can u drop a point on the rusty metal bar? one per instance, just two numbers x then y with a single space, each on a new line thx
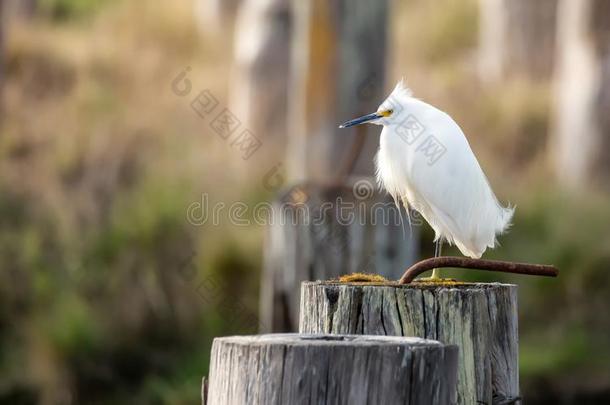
477 264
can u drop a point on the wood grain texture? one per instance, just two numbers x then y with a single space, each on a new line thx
331 369
480 318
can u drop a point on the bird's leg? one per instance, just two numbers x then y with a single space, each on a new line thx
435 272
437 252
438 248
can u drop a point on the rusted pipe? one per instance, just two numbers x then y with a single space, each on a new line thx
477 264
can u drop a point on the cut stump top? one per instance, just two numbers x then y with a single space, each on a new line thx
300 339
328 369
448 284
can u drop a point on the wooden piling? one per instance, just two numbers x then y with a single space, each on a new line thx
338 71
331 369
309 240
481 319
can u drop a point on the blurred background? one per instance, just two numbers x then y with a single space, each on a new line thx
124 122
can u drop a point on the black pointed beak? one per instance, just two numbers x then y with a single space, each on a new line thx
361 120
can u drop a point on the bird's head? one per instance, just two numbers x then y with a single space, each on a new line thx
390 111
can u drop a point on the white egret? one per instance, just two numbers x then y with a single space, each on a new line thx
425 162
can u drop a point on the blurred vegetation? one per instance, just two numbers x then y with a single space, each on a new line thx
563 322
61 10
101 274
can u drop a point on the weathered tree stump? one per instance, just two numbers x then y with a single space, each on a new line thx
331 369
481 319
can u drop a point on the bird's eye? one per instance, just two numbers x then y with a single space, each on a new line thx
390 112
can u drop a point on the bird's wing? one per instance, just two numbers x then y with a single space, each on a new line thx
453 189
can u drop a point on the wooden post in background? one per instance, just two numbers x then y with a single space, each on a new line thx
338 72
324 370
481 319
309 240
214 15
20 9
261 63
581 124
338 69
516 38
2 69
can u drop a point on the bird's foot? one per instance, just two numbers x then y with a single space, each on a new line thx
436 275
435 278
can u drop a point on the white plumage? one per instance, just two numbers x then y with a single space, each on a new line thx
425 161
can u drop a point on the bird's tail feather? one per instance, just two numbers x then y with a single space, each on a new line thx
506 216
